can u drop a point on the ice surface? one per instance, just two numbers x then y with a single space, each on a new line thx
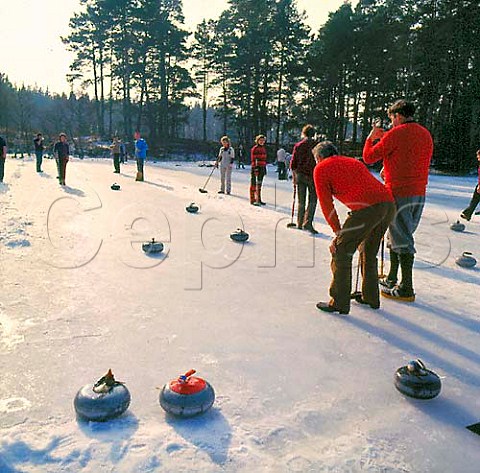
297 390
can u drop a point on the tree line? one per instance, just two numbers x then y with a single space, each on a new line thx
262 70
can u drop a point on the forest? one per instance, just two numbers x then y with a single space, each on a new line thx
259 68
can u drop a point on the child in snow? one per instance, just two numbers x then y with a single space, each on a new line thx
3 156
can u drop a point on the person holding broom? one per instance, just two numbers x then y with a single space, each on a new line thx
371 211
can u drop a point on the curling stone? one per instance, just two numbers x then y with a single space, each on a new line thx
152 247
187 396
457 226
415 380
115 187
104 400
239 235
466 260
192 208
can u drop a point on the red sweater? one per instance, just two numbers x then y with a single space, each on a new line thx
302 157
349 181
406 151
259 156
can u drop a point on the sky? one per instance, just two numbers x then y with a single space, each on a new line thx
33 54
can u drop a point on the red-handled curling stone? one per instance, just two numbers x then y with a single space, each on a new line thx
415 380
187 396
104 400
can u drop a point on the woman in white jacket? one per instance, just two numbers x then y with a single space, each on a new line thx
225 159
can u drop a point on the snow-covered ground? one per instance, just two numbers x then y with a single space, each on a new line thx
297 390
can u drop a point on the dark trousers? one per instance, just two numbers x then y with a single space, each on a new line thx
116 162
473 203
305 183
363 229
62 169
282 171
2 168
39 156
139 169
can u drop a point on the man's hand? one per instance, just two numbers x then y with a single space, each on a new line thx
294 174
382 174
376 133
333 246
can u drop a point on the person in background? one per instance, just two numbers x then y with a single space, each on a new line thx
258 156
62 153
115 149
141 149
302 165
241 157
39 148
406 151
3 157
282 161
371 211
226 156
468 212
123 152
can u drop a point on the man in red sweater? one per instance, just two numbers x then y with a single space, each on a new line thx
302 165
406 150
372 210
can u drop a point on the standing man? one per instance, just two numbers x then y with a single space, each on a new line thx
115 149
62 153
302 166
241 156
3 156
39 148
372 210
468 212
406 150
226 155
282 160
141 149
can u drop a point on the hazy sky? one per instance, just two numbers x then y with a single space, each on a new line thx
32 53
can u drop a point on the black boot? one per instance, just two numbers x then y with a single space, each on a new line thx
467 213
391 280
404 291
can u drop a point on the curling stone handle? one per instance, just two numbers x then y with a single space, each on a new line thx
421 363
184 377
467 253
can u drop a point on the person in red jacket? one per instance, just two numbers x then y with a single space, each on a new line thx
259 170
468 212
371 211
406 150
302 166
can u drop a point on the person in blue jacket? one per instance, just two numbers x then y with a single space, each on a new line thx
141 149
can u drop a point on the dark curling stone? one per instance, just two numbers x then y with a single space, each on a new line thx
466 260
239 235
152 247
104 400
457 226
192 208
187 396
115 187
415 380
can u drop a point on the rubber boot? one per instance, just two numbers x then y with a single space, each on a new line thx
391 280
253 190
